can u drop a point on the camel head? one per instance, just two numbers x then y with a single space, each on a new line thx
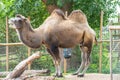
58 13
78 15
17 22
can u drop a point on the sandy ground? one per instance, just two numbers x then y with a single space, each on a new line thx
93 76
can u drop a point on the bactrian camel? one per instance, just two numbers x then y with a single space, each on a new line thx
58 31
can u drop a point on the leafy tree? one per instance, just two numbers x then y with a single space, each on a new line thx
91 8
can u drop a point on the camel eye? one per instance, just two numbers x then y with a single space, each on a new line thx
20 20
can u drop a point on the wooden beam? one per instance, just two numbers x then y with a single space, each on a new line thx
65 65
114 27
11 44
111 41
29 52
99 41
100 54
65 61
7 48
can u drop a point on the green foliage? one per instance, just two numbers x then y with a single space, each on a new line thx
52 2
59 3
34 9
92 9
105 58
45 62
94 60
75 59
12 65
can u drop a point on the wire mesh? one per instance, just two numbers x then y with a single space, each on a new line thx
116 52
16 54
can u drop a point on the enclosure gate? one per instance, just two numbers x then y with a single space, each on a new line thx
114 47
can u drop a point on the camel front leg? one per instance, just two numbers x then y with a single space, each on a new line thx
54 60
58 69
57 60
58 64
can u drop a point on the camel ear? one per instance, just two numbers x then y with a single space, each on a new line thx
18 15
25 19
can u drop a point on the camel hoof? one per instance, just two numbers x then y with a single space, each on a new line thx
59 76
56 75
75 73
80 75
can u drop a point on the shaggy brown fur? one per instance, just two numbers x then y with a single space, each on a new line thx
57 32
80 17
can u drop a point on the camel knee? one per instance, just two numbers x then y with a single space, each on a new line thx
54 49
87 63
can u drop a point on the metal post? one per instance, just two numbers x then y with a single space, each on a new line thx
111 76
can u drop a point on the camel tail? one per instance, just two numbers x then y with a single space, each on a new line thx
95 41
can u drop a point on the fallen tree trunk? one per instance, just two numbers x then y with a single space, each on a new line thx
20 68
29 72
37 72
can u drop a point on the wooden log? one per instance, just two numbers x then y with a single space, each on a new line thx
42 78
20 68
29 72
36 72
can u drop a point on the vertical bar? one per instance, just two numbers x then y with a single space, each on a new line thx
65 61
118 17
65 66
100 54
7 48
111 76
29 51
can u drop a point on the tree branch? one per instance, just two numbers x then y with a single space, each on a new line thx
20 68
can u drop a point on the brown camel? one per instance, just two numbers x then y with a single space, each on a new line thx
89 39
57 31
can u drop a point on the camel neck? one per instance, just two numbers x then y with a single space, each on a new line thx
30 37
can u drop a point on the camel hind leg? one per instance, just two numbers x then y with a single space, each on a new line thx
82 62
87 51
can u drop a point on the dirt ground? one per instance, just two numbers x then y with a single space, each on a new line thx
93 76
90 76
